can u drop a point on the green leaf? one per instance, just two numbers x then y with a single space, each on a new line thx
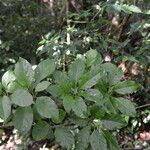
91 56
22 98
68 102
46 107
23 119
111 74
13 86
126 87
62 115
7 78
93 95
64 136
81 122
131 8
79 107
112 122
54 90
125 106
44 69
112 142
24 72
127 8
76 104
98 141
91 82
5 107
83 138
0 88
42 86
76 70
97 111
40 130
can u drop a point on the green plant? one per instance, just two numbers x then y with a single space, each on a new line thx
77 107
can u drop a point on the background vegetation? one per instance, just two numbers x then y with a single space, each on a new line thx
65 29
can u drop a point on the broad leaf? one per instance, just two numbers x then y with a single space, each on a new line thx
83 138
23 119
111 74
68 102
13 86
76 70
46 107
24 72
126 87
7 78
44 69
79 107
98 141
93 95
64 137
125 106
81 122
91 56
112 142
40 130
22 98
54 90
61 117
42 86
131 8
91 82
5 107
112 122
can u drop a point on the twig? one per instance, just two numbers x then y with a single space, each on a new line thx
142 106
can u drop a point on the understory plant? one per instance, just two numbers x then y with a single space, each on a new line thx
78 107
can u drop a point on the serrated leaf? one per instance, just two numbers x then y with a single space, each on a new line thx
126 87
91 82
112 142
64 137
5 107
22 98
76 70
83 138
46 107
24 72
7 78
125 106
40 130
42 86
98 141
44 69
23 119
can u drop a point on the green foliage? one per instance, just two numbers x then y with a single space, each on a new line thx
74 97
22 98
78 112
40 130
5 107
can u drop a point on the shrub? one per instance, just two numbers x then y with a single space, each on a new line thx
77 107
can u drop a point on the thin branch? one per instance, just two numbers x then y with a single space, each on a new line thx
142 106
